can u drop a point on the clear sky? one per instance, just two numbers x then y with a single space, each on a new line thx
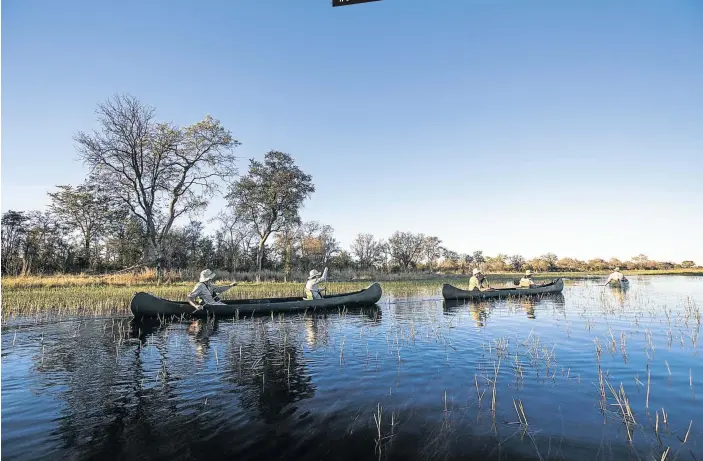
574 127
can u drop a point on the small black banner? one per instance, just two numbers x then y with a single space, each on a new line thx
350 2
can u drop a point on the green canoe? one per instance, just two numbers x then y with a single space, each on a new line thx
452 292
148 305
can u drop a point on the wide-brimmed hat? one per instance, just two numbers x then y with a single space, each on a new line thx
528 272
314 273
476 270
617 269
206 275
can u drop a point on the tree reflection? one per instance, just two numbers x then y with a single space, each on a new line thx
266 367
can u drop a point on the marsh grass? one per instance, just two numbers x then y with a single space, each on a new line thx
110 295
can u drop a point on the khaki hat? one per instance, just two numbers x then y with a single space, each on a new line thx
206 275
314 273
476 270
528 272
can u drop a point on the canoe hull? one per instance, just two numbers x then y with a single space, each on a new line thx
147 305
452 292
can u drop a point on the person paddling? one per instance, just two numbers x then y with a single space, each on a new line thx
311 289
526 281
478 281
205 292
616 276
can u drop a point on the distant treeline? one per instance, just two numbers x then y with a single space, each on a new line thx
145 176
44 243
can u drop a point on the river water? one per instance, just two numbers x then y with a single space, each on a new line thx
593 374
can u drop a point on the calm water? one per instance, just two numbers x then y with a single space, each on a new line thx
413 379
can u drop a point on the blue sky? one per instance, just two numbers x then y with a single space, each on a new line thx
507 126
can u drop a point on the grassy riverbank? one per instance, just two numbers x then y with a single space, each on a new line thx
111 294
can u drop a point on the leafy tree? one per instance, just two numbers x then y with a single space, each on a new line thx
517 261
270 196
688 264
596 264
431 250
615 262
367 250
406 248
478 257
342 260
550 260
14 232
158 170
317 244
538 265
87 208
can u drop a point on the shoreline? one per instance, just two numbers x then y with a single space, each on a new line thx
20 283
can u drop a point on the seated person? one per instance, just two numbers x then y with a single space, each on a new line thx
526 281
205 292
617 277
478 281
311 289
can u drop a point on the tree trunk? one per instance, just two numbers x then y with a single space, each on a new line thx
260 255
259 258
86 250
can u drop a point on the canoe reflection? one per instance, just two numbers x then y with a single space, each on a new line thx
480 311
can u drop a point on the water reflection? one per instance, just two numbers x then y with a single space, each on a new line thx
480 310
313 386
620 294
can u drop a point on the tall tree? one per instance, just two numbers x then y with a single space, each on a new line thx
270 196
235 232
87 208
406 248
317 244
517 261
159 170
551 260
367 250
478 257
14 231
431 250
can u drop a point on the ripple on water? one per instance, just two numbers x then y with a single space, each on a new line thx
313 387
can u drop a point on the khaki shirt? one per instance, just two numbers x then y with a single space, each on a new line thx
474 284
205 293
312 291
526 282
617 276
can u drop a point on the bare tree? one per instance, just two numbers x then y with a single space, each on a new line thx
235 230
270 196
159 170
367 250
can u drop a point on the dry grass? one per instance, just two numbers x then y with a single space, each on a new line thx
148 277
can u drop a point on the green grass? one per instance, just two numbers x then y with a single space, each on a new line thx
112 294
